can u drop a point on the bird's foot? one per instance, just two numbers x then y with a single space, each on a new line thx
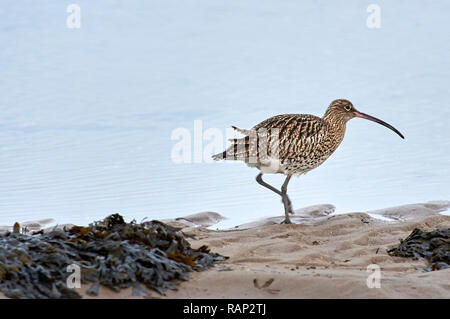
286 221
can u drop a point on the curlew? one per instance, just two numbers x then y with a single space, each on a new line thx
293 144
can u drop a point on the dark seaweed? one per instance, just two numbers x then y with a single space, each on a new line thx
434 246
110 252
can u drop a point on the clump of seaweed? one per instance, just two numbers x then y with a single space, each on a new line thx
110 252
434 246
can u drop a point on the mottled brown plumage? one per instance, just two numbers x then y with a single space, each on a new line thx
293 144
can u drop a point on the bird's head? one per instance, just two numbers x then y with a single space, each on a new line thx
341 111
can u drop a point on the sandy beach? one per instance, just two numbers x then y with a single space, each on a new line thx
321 256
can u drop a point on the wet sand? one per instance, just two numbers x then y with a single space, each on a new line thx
324 256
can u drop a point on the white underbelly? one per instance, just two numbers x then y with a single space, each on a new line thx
270 166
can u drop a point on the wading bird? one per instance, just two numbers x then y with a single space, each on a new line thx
293 144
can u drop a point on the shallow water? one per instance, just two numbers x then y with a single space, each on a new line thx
87 114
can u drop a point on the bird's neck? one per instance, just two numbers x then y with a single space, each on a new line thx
335 128
334 119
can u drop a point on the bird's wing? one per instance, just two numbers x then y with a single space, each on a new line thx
280 136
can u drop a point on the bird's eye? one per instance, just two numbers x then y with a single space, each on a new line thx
348 107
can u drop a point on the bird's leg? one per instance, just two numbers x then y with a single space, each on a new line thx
263 183
286 201
284 198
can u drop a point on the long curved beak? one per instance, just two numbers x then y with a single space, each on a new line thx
374 119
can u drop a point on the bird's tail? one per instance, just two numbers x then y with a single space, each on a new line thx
239 149
245 132
251 149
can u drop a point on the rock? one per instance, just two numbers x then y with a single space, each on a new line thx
406 212
205 219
